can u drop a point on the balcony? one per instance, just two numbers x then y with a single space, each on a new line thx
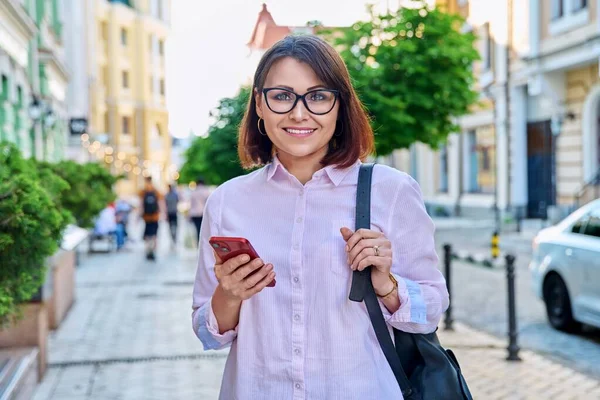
124 2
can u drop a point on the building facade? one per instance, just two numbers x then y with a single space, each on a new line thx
127 100
533 148
34 78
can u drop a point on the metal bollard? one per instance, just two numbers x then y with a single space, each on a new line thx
513 347
495 245
447 266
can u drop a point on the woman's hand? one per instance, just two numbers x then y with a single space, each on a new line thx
367 247
235 279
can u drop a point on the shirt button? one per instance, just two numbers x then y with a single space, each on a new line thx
301 193
297 351
298 386
296 279
299 219
296 247
297 317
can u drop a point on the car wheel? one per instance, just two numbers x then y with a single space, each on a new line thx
558 304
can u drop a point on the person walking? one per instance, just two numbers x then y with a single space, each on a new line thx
151 208
303 338
172 203
198 199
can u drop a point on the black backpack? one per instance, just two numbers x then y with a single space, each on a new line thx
150 203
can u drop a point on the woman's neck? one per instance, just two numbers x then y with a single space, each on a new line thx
302 168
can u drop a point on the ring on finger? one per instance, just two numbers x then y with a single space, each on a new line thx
376 248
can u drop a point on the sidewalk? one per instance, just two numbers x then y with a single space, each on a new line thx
129 337
490 377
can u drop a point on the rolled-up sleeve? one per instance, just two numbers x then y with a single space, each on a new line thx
204 321
421 286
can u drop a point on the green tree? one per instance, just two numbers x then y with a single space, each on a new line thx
413 71
31 226
214 157
91 189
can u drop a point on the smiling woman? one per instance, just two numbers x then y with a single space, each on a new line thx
303 337
302 83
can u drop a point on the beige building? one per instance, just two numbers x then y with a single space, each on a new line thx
533 148
128 111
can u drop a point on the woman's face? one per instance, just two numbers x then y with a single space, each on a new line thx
297 134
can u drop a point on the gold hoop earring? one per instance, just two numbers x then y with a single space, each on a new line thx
258 125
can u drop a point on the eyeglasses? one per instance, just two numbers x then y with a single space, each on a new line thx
318 102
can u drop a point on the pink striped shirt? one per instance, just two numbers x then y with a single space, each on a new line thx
303 339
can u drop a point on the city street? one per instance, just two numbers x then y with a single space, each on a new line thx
480 299
129 337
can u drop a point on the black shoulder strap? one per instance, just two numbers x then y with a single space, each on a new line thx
363 220
362 287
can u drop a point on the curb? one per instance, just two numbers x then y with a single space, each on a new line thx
480 259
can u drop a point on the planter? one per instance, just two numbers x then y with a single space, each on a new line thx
62 271
18 373
30 331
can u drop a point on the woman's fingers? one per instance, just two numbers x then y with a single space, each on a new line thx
363 245
242 272
359 235
368 256
253 279
261 284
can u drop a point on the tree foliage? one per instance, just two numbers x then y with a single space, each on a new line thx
91 189
413 71
31 226
215 157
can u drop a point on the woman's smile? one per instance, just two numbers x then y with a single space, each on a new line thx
299 131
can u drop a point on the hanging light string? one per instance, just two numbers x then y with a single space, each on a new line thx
123 162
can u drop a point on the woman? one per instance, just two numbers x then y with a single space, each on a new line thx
303 338
198 199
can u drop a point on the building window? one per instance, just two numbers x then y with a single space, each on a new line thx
162 87
123 37
558 10
480 160
414 170
566 15
19 96
4 95
161 47
106 123
579 5
125 79
104 31
463 2
486 54
444 169
105 76
126 126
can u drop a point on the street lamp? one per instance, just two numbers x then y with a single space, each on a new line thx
36 109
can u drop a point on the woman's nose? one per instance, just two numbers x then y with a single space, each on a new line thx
299 112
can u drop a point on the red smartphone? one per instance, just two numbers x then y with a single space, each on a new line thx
229 247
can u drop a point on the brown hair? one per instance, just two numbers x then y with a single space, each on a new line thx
356 137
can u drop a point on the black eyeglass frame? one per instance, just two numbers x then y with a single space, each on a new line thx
336 94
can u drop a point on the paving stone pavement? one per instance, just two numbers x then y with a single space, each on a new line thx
129 337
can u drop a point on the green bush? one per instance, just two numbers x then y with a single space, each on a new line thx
91 189
31 226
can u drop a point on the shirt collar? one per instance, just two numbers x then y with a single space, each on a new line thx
335 174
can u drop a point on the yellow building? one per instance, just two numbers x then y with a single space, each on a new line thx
128 111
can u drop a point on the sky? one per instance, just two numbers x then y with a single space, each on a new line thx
206 53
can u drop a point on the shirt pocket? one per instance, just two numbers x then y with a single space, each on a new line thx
339 258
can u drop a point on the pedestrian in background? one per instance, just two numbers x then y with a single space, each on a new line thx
151 208
172 203
304 338
198 199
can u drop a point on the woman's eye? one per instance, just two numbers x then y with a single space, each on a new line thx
283 96
317 97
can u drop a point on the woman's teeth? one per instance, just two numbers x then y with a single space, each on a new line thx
299 131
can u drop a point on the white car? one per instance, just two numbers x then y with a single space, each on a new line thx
566 269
